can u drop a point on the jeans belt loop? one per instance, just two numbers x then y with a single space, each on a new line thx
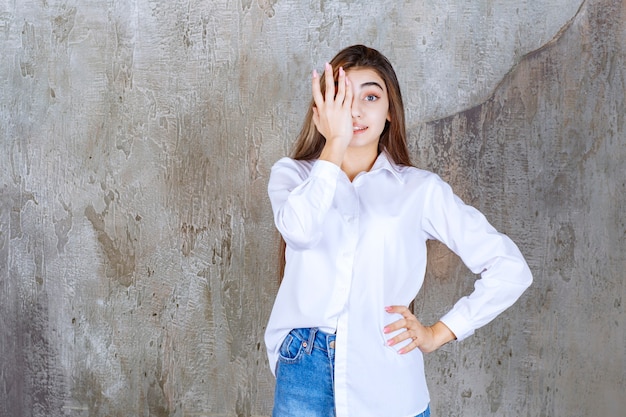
309 347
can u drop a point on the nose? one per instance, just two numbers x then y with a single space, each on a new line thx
356 109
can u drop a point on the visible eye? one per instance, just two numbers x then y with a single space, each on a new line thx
371 97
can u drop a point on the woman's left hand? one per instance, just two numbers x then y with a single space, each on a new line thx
425 338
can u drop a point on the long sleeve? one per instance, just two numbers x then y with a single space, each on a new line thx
504 272
301 199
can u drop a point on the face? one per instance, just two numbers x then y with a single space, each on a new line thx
370 107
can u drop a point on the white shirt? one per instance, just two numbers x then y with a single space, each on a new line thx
354 248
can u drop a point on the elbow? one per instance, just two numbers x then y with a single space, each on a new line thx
523 275
298 237
513 270
299 241
529 277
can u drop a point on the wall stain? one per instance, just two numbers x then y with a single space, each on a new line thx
35 383
268 7
63 23
157 403
62 226
189 235
561 254
243 405
120 252
222 250
120 77
494 395
17 199
29 50
87 389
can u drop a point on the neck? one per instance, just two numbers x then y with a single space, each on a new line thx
358 160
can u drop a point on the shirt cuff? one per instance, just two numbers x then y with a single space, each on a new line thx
325 170
458 324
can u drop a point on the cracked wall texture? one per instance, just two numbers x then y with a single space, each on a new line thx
137 251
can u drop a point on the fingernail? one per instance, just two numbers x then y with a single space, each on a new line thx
387 308
327 66
385 330
389 342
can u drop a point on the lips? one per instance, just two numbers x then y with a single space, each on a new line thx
357 129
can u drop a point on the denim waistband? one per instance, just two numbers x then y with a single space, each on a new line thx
314 338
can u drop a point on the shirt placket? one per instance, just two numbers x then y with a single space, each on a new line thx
345 267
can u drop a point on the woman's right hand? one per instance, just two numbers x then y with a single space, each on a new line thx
332 113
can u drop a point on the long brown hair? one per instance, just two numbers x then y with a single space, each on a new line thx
310 141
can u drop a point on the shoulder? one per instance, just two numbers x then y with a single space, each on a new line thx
286 164
428 188
306 168
416 176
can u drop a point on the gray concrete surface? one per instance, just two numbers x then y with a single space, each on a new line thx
137 251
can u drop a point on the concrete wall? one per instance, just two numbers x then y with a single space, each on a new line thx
137 251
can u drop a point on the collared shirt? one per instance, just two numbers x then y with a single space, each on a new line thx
354 248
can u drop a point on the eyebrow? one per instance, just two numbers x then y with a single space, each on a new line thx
374 83
367 84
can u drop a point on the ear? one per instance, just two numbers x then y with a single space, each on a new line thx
388 117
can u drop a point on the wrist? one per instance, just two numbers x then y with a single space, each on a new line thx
333 152
441 334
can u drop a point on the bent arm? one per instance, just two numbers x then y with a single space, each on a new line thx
301 200
504 273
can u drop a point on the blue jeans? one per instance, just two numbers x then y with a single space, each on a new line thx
305 375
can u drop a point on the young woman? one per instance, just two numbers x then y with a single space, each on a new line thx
355 216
